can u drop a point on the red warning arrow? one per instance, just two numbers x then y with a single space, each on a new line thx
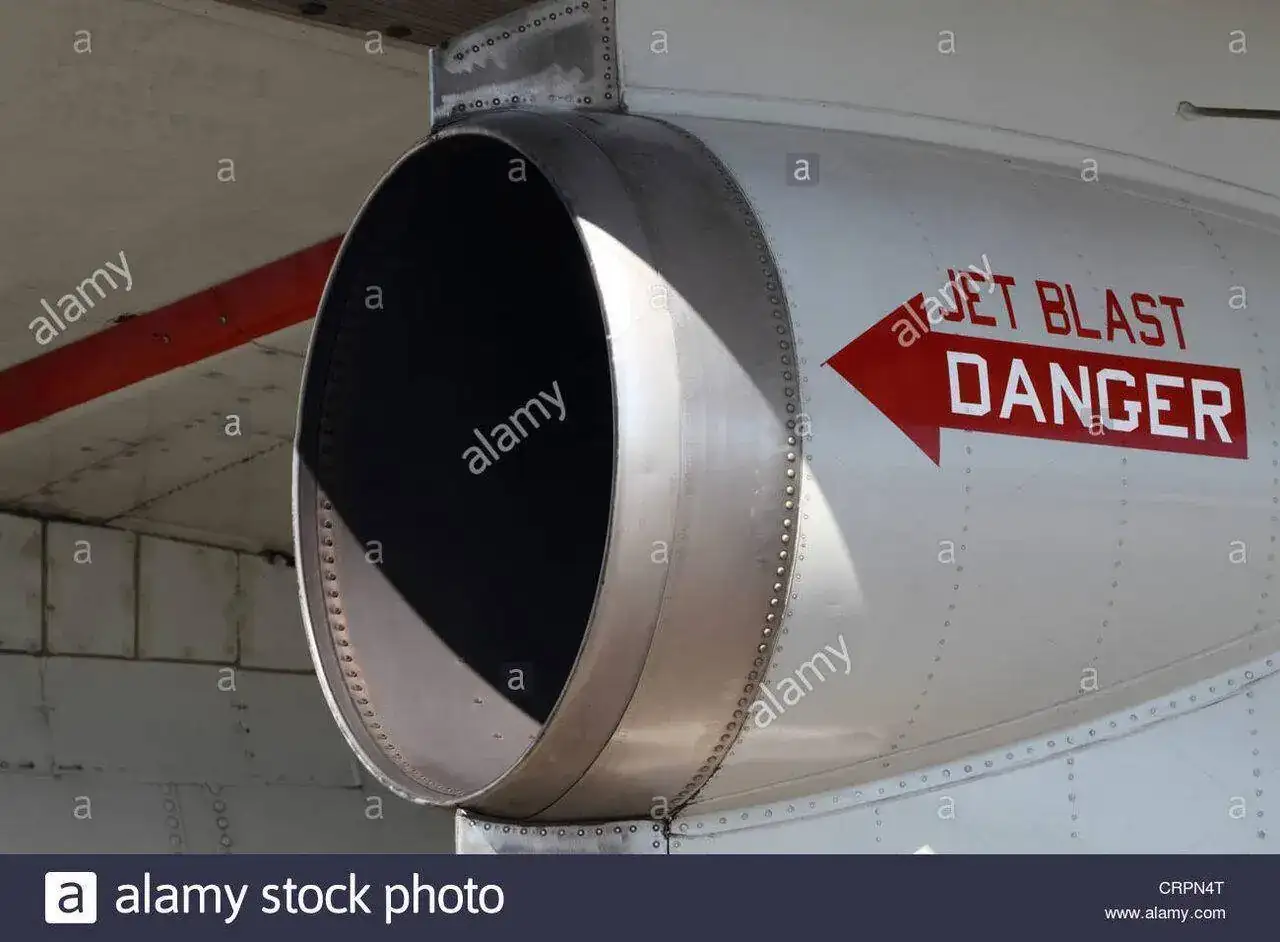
1003 387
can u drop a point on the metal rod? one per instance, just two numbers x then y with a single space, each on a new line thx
1187 110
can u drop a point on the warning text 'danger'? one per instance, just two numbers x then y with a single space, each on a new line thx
1006 387
1138 400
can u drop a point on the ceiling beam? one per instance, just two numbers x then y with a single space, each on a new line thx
218 319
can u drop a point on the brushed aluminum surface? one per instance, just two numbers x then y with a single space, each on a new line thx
704 488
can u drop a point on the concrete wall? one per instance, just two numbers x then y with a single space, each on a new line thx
158 696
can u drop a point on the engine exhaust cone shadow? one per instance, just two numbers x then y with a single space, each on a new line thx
458 421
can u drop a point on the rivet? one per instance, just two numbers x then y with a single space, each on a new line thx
791 472
786 538
773 602
791 440
770 617
782 555
791 456
786 523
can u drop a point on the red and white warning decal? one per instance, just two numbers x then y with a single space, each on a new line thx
925 381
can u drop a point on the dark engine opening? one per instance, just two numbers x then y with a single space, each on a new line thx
468 412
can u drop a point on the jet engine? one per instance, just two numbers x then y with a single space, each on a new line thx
652 462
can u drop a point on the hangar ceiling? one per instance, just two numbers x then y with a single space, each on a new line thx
116 152
125 118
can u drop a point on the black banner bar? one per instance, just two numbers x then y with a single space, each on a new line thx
643 898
